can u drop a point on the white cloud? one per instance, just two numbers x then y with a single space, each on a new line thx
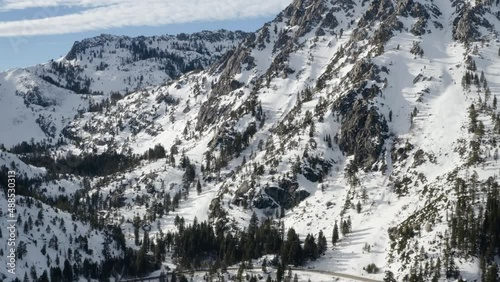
102 14
9 5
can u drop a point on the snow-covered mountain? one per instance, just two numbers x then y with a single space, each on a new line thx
374 123
38 101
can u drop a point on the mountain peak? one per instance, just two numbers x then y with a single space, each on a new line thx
106 39
374 122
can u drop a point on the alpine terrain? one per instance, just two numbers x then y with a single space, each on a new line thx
350 139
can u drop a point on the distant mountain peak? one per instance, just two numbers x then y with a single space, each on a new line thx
103 39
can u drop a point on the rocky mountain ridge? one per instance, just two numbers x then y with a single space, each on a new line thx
377 119
45 97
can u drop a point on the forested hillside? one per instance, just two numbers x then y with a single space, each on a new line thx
347 137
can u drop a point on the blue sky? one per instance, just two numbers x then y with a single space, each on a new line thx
35 31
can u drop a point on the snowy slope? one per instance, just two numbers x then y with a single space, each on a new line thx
38 101
49 236
335 110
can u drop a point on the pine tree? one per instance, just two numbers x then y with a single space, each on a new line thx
44 249
335 236
253 225
26 279
67 271
136 225
452 271
141 260
437 270
310 248
55 274
21 250
292 252
44 277
492 274
389 277
280 272
322 245
33 274
345 228
198 187
473 118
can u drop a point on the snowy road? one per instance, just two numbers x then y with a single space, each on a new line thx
341 275
300 270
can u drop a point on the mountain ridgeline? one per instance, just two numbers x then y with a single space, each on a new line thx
96 72
351 136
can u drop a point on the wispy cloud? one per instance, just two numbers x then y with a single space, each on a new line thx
103 14
9 5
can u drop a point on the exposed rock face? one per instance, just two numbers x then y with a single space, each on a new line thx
307 15
316 170
209 112
363 133
34 96
287 195
466 23
419 27
231 63
330 21
264 201
363 69
413 9
378 10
